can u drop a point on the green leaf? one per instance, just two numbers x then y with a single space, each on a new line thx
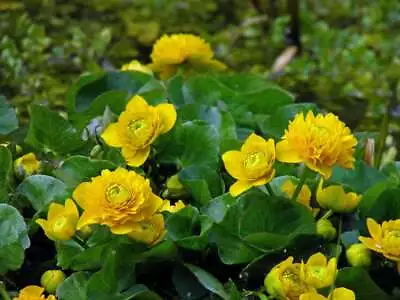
77 169
380 202
13 238
41 190
358 280
140 292
187 285
258 223
8 117
74 287
5 173
274 125
359 179
208 281
131 82
49 132
188 229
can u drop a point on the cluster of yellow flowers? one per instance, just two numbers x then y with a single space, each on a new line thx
178 51
33 292
120 199
300 281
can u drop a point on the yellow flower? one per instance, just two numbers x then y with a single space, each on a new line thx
252 165
166 206
385 238
118 199
288 187
318 271
337 294
335 198
33 292
150 231
175 189
318 141
284 281
186 50
27 164
135 65
51 279
358 255
137 128
61 221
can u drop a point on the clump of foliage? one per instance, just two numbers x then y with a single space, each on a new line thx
199 186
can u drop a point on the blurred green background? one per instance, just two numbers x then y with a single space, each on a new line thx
349 61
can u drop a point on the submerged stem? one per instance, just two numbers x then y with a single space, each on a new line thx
3 292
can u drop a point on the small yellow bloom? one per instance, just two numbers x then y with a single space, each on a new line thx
150 231
51 279
175 189
33 292
358 255
335 198
182 50
385 238
252 165
318 141
284 281
318 271
61 221
118 199
27 164
135 65
137 128
288 187
166 206
337 294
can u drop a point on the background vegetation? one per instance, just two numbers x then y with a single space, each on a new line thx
349 59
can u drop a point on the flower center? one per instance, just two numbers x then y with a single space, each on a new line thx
292 283
253 159
137 125
60 223
392 241
117 194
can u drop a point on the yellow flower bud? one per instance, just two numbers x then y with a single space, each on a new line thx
326 230
85 231
135 65
61 221
51 279
175 188
166 206
358 255
335 198
26 165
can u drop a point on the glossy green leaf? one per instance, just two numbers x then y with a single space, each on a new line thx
77 169
74 287
13 238
41 190
358 280
5 172
8 117
49 132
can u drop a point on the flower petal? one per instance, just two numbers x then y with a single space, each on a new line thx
317 259
342 294
137 103
167 113
311 296
71 209
233 163
121 228
251 140
55 209
374 229
265 179
135 158
285 153
370 243
239 187
80 192
110 135
86 219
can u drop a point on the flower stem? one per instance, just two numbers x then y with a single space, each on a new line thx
337 249
269 189
300 184
3 292
327 214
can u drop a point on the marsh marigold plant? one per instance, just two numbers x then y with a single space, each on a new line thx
33 292
188 51
61 221
385 239
138 127
119 199
318 141
252 165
